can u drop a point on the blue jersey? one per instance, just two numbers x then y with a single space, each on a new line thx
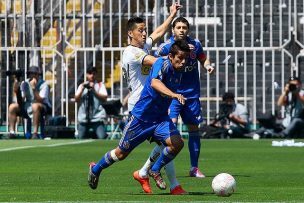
153 106
190 84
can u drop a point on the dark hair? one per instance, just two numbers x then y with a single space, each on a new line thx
133 21
179 45
180 19
228 95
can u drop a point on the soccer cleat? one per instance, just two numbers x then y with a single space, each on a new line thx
144 182
178 190
160 183
92 178
195 172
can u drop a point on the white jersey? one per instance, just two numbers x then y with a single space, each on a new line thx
134 71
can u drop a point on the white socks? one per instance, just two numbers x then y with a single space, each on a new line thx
169 168
143 172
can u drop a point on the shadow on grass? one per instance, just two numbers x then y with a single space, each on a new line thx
167 193
212 176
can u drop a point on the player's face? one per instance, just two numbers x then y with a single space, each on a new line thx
179 60
180 31
138 35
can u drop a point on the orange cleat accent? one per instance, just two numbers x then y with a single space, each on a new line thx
178 190
144 182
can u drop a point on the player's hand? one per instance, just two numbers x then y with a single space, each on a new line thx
180 98
174 8
210 69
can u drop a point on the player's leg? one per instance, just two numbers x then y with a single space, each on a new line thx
175 187
143 172
169 135
107 160
142 175
134 134
191 115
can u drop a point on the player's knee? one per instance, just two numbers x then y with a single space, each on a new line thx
121 155
177 145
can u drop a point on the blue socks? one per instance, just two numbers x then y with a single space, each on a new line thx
194 145
164 158
107 160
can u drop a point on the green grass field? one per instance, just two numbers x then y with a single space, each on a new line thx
56 170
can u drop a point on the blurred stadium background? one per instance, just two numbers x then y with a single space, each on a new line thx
263 38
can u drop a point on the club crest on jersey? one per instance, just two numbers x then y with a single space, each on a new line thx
126 144
192 55
145 70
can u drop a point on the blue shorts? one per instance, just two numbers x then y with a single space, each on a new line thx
137 131
190 111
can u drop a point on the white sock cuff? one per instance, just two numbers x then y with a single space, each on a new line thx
113 155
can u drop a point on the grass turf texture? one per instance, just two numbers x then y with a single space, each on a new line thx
59 173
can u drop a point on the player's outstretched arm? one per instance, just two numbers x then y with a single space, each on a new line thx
162 89
160 31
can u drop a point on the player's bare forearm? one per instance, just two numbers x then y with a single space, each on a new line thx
161 30
162 89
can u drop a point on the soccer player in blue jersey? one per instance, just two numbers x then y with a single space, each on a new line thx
190 88
149 117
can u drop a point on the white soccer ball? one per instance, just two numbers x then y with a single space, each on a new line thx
223 184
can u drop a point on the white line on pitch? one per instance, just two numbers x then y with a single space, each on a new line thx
50 145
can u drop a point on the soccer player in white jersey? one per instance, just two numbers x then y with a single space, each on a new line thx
136 63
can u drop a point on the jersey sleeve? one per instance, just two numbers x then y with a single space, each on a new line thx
149 43
136 56
199 50
159 69
161 51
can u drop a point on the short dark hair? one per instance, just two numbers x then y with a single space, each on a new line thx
228 95
180 19
133 21
179 45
